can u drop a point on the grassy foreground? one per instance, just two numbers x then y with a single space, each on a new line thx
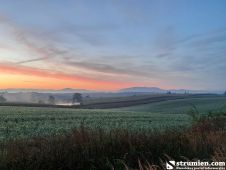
84 148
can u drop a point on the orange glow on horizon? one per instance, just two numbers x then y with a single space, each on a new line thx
20 81
16 76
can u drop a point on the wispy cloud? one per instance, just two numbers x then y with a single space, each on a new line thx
32 60
12 68
95 35
25 37
24 70
108 68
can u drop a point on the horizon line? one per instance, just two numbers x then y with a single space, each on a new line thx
102 90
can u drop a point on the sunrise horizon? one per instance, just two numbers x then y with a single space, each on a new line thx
106 89
113 45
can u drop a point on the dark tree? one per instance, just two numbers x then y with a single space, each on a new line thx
77 97
2 99
51 99
225 93
169 92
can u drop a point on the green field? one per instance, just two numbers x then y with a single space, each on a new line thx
20 122
23 122
182 106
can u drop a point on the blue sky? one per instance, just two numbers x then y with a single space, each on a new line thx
169 44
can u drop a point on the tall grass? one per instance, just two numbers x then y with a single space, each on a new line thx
85 148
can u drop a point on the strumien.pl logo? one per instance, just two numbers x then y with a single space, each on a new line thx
195 165
170 165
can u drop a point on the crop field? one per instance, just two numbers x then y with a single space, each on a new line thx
203 105
25 122
20 122
42 137
112 102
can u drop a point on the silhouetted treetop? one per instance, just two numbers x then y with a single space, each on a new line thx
51 99
2 99
77 97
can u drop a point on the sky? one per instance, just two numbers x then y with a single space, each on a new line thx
113 44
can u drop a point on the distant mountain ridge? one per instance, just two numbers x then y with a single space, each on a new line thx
143 90
124 90
159 90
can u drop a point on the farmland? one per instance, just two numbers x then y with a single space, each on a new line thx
25 122
204 105
39 138
20 122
